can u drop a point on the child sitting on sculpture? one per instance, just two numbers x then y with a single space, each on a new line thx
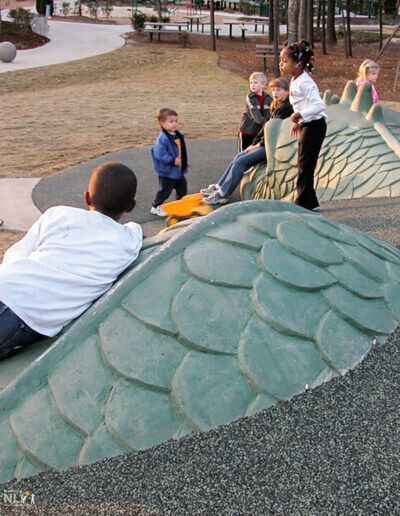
170 160
280 108
368 72
68 258
256 110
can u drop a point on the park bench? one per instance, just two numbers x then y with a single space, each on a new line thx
242 27
158 28
205 24
263 51
180 33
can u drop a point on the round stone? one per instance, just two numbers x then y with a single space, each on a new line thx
8 52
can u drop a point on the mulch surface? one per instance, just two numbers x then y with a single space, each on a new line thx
22 41
332 71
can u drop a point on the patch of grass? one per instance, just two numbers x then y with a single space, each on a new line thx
61 115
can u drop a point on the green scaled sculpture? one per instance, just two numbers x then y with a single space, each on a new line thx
360 156
219 318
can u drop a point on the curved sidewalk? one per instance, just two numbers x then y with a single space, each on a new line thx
69 42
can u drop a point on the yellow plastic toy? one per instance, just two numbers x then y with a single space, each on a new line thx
186 208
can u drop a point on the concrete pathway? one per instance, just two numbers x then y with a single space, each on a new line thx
16 207
69 42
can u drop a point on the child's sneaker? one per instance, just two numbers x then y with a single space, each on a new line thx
215 198
157 210
209 190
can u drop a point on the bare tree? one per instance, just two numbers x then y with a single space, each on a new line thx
323 28
302 19
348 22
276 38
212 26
271 23
310 22
292 21
330 22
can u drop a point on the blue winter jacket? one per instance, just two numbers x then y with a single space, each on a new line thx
164 152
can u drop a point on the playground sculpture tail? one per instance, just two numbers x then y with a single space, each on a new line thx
360 156
221 317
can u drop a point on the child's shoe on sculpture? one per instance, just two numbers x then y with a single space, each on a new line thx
209 190
216 198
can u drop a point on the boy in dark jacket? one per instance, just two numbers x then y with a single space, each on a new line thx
170 160
255 153
256 112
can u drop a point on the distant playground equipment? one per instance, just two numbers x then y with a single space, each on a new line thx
8 52
188 207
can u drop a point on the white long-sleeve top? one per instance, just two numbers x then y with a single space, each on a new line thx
305 98
68 258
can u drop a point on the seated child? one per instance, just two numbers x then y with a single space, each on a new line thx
170 160
68 258
256 111
368 72
280 108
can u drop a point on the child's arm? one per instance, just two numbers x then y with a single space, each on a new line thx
317 106
255 113
25 246
161 152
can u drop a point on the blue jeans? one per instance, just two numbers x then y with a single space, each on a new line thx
234 173
14 333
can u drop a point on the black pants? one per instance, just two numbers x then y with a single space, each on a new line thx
311 137
165 187
244 141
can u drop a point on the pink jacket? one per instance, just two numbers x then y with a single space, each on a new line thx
375 98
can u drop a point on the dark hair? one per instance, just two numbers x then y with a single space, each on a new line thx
164 113
112 188
302 52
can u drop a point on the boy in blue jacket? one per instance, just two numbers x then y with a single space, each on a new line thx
170 160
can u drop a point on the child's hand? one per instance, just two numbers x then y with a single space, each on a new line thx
251 148
294 131
178 161
295 118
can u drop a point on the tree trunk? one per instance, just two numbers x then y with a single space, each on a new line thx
346 47
276 38
310 23
380 25
302 18
330 23
323 29
159 11
348 7
212 27
292 21
271 22
319 14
